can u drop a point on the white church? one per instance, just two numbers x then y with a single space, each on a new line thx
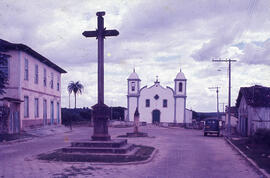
157 104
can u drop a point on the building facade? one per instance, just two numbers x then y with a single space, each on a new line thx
253 105
157 103
33 93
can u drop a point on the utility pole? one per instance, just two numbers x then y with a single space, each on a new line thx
223 104
217 99
229 92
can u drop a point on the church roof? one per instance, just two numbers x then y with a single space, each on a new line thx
133 75
180 75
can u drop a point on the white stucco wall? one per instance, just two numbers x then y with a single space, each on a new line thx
180 110
188 116
18 87
166 113
132 107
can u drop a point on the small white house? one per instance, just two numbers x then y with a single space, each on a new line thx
253 105
157 103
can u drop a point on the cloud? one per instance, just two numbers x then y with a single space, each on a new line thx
256 53
157 37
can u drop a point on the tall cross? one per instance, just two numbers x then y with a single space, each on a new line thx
100 34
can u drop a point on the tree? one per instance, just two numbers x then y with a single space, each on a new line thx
75 87
3 72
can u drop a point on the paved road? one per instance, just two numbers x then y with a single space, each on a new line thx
182 153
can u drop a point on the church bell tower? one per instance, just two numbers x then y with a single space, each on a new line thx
133 83
180 83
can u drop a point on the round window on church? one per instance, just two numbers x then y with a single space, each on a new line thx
156 97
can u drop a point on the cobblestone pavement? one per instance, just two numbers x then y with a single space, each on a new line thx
182 153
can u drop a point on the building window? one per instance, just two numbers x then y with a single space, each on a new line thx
36 107
147 103
58 83
36 74
180 87
58 113
45 78
165 103
132 86
45 111
4 64
25 69
26 106
52 112
51 80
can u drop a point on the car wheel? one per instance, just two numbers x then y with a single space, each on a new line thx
205 134
217 134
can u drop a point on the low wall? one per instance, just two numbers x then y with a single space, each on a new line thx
36 123
113 123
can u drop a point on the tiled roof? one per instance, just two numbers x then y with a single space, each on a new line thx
255 96
6 46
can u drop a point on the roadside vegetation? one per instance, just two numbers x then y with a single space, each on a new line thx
257 147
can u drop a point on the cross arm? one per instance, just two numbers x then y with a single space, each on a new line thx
111 33
90 33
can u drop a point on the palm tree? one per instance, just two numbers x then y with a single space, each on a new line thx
75 87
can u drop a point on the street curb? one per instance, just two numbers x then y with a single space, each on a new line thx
16 141
262 171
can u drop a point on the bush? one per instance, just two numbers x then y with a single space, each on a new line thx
261 136
75 115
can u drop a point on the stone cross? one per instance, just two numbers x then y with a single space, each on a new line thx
100 110
100 34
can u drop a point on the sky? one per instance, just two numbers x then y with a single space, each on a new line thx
157 38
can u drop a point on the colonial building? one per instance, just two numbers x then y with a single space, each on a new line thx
253 105
157 103
33 93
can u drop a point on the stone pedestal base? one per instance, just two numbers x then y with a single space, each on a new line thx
137 134
101 113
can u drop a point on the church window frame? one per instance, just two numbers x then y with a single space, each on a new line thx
180 87
132 86
165 103
147 103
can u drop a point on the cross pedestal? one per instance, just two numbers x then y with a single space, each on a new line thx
101 113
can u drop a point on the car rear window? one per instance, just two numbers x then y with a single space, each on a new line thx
211 122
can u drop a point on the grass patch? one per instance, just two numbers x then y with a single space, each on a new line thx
9 137
143 153
258 152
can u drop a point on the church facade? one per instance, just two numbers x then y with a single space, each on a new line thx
157 103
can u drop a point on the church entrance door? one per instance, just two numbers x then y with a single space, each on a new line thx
155 116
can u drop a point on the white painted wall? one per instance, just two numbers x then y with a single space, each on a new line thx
180 110
18 87
188 116
166 114
132 107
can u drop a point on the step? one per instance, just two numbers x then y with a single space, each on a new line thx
116 143
122 150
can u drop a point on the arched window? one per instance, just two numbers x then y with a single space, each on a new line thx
165 103
147 103
180 87
132 86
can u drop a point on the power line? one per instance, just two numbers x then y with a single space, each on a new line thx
229 93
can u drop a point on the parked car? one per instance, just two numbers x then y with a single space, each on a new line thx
211 126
